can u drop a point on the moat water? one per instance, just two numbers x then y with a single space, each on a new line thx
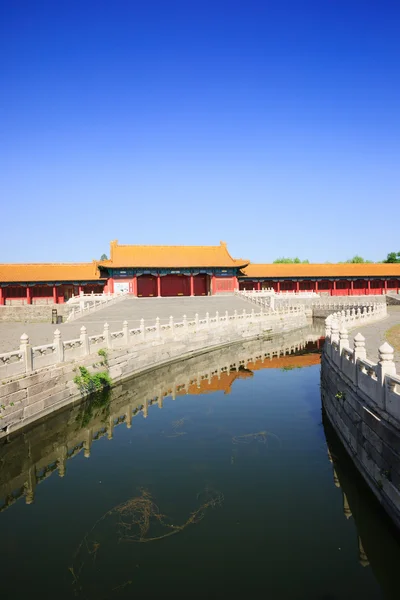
238 486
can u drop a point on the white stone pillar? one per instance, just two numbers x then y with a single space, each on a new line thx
58 346
142 330
335 332
84 341
386 366
107 336
328 328
343 339
26 350
359 347
158 333
185 325
125 333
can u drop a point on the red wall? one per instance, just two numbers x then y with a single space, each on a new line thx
223 284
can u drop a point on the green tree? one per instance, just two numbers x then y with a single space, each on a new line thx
290 261
104 257
393 257
358 259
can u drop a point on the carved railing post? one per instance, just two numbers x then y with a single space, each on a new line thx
386 366
196 320
217 317
107 336
343 339
328 328
26 350
207 321
125 333
335 332
158 328
58 346
359 347
171 324
84 341
185 325
142 330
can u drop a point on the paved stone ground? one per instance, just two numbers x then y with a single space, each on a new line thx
375 334
131 310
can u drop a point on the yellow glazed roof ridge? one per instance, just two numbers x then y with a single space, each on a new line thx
169 256
24 272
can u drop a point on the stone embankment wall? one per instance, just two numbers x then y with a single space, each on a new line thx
46 446
29 394
362 401
33 313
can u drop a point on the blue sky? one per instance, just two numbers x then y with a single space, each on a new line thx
272 125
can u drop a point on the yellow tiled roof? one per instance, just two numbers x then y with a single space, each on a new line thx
49 272
171 256
323 270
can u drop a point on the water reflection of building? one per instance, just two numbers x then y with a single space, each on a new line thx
33 455
377 541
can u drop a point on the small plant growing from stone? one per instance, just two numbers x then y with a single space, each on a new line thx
340 396
103 353
88 383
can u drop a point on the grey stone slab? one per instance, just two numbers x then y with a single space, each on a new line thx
131 310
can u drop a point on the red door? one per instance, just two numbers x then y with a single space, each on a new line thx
200 286
175 285
146 286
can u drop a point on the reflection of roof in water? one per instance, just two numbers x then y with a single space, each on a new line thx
289 361
223 384
225 380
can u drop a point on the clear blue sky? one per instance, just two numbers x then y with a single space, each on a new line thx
272 125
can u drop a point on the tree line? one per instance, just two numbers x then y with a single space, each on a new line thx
392 257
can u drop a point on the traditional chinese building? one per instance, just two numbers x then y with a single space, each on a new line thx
347 279
150 271
48 283
143 271
146 271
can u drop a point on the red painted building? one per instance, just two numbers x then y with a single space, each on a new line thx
48 283
149 271
345 279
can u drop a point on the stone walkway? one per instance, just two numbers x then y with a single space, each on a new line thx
131 310
375 335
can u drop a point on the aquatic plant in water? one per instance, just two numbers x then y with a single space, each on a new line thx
137 520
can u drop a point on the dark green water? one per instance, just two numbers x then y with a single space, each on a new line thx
216 495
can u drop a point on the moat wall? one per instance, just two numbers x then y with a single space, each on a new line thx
370 435
26 398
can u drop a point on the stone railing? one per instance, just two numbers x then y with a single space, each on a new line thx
378 382
314 305
272 292
88 303
32 358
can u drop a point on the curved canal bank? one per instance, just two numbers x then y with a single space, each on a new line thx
37 381
362 401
